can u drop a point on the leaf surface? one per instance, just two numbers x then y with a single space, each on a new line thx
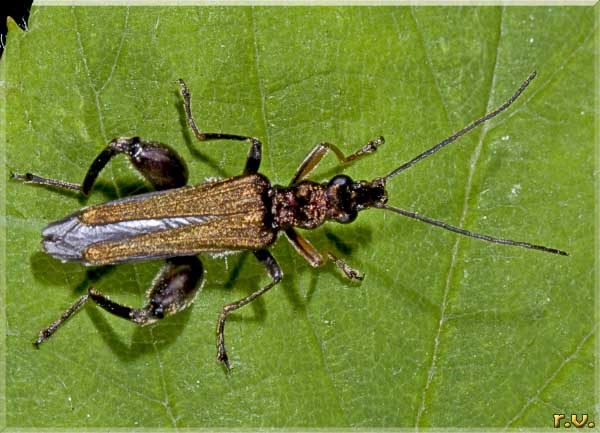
443 332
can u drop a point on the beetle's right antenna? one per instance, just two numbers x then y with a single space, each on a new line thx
446 142
474 235
463 131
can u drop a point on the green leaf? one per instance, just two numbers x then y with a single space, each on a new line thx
444 331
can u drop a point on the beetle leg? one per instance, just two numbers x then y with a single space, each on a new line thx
276 274
313 159
158 163
315 258
350 273
254 156
38 180
174 289
50 330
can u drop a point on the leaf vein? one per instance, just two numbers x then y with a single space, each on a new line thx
473 165
536 397
119 49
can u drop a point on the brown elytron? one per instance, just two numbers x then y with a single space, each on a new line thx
216 222
245 212
206 199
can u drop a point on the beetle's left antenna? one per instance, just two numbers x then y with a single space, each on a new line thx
463 131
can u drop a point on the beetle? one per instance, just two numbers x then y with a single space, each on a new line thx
177 222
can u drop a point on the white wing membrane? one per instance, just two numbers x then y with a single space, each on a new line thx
68 238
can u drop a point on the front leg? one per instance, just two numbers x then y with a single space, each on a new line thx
313 159
315 258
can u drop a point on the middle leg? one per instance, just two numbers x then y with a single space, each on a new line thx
275 273
255 154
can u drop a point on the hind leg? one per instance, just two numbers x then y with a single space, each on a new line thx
175 289
158 163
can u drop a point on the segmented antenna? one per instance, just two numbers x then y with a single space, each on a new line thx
463 131
479 236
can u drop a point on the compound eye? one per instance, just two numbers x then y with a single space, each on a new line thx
340 180
347 217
